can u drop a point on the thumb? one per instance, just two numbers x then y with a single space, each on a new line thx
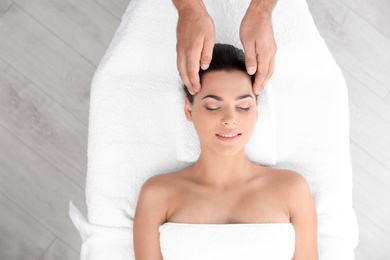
250 58
207 53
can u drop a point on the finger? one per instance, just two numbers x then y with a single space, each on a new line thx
207 53
262 71
193 65
270 73
181 65
250 56
256 85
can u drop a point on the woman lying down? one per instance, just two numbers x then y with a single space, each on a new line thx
224 206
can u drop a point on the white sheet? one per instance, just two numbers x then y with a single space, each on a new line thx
135 100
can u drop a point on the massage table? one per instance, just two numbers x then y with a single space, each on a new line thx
137 127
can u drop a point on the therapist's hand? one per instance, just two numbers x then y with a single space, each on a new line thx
195 43
257 38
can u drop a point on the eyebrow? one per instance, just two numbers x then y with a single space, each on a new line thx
221 99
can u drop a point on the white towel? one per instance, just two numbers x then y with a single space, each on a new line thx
136 115
180 241
102 242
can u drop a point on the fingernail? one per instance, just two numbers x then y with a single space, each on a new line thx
251 70
205 66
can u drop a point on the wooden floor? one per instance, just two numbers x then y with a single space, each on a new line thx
49 50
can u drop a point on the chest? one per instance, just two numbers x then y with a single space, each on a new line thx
240 206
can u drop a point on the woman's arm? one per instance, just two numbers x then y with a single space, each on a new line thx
303 216
149 215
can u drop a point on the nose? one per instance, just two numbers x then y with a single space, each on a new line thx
229 119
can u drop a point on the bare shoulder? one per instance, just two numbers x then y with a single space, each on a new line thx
163 187
154 197
169 178
160 185
295 190
156 182
302 211
151 212
289 183
285 176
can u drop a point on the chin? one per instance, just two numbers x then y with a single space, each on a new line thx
229 151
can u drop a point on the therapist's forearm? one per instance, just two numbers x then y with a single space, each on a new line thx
184 6
263 6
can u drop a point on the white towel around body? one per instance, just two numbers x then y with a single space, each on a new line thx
274 241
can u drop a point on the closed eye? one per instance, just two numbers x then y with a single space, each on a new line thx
211 109
245 108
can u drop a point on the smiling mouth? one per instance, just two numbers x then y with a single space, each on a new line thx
228 137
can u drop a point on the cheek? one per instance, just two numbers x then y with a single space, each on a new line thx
249 120
203 118
203 122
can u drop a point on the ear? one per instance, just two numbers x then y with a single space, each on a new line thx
188 109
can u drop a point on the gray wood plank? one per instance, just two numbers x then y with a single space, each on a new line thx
371 237
376 12
388 101
40 189
364 51
22 237
46 61
42 124
84 25
371 192
117 7
369 119
349 63
60 251
4 5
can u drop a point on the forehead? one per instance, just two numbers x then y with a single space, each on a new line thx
226 82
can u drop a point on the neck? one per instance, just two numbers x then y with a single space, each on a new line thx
221 171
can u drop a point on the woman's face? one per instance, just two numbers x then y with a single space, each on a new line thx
224 112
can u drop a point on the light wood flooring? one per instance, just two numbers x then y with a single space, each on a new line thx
49 50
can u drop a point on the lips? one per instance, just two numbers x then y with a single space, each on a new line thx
228 137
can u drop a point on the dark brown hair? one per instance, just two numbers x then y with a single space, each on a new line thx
226 57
